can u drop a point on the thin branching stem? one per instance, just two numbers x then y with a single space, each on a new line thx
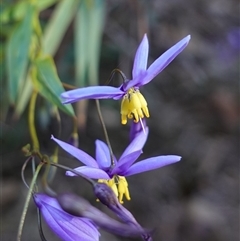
68 86
30 191
105 131
40 229
113 73
45 184
23 170
74 171
31 117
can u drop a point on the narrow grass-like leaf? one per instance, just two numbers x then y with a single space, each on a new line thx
58 24
48 84
96 22
88 33
81 45
23 99
43 4
17 53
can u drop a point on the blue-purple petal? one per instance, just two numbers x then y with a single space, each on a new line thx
66 226
151 164
136 128
141 57
136 144
164 60
77 153
90 172
102 155
91 92
126 162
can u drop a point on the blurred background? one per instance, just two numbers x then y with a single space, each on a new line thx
193 104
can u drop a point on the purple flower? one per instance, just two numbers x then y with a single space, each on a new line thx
80 207
66 226
107 197
134 105
136 128
103 168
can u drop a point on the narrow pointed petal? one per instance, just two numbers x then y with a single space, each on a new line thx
125 163
66 226
91 92
151 164
77 153
90 172
81 207
141 57
102 155
137 128
136 145
164 60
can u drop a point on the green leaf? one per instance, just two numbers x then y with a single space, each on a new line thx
88 35
96 23
24 97
81 45
17 53
58 24
44 4
48 84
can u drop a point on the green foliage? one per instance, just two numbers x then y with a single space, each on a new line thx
48 84
88 33
58 24
17 53
30 49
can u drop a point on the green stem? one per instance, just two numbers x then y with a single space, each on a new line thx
74 171
31 123
105 131
30 191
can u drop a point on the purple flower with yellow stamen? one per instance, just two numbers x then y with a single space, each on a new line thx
64 225
113 172
134 105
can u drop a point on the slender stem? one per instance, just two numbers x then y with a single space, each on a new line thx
113 73
31 118
40 229
56 114
68 86
74 171
20 227
105 131
75 125
23 169
45 176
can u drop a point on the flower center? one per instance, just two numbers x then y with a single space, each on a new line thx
133 106
119 186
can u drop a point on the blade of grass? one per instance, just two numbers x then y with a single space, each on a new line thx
58 24
96 23
17 53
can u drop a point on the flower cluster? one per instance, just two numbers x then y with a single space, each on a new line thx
134 105
114 173
72 217
65 225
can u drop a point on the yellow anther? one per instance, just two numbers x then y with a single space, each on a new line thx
119 186
112 184
143 103
123 189
133 106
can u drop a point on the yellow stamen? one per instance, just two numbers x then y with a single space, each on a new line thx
133 106
119 186
123 189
